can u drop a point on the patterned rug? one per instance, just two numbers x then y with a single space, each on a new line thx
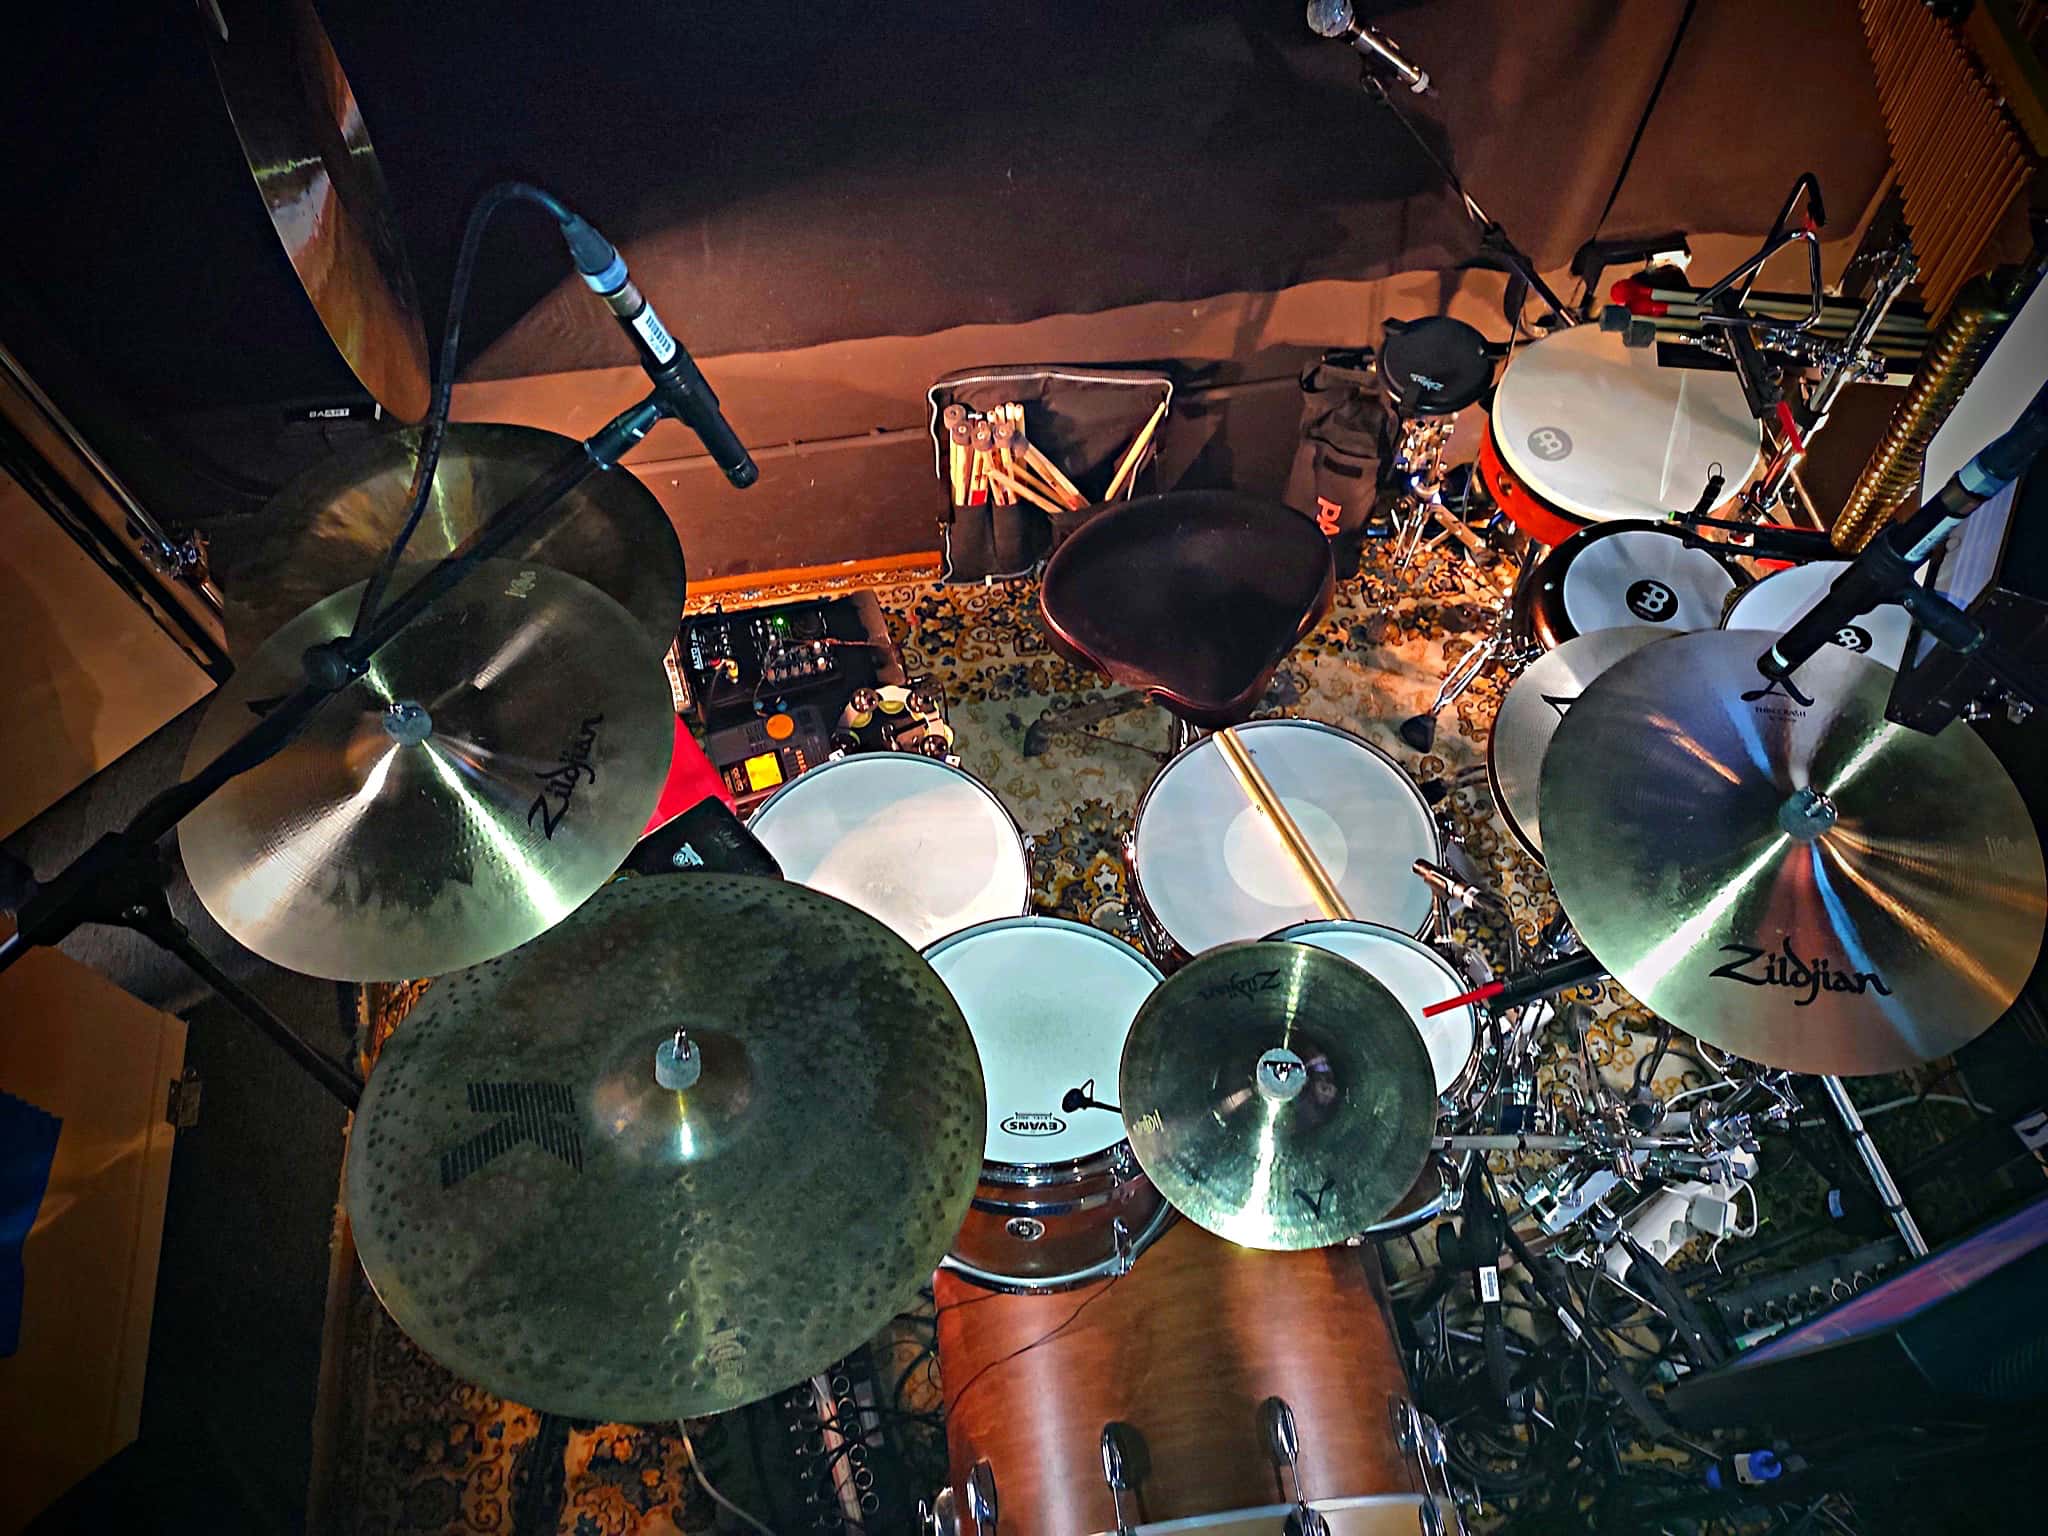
411 1450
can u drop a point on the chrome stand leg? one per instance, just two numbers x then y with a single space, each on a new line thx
1888 1193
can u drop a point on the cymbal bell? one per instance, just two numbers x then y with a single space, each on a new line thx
545 1218
304 138
330 525
492 767
1786 874
1277 1095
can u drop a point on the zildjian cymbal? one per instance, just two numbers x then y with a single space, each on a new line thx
329 527
1528 716
492 767
304 138
545 1217
1277 1095
1780 870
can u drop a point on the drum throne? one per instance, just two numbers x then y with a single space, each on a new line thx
1192 598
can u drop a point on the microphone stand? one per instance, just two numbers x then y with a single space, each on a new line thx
1493 239
119 880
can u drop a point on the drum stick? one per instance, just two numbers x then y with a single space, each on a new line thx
1019 488
1128 466
1050 473
1260 793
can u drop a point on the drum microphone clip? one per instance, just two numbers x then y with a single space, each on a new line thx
1083 1097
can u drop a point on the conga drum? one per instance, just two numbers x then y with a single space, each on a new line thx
1178 1355
1586 429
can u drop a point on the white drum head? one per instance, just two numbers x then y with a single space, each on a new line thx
912 842
1211 871
1414 973
1599 429
1783 598
1640 577
1049 1003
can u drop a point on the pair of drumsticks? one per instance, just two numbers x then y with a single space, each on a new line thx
990 459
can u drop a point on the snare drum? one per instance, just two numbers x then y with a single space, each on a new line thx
1780 600
1586 429
1061 1201
1179 1355
1622 575
911 841
1208 870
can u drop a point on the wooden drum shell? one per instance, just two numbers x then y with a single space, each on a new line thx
1183 1349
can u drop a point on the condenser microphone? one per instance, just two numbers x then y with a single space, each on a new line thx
685 393
1333 18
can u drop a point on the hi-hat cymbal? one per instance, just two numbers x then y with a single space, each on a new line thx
330 526
308 149
1277 1095
1528 716
545 1218
490 770
1806 885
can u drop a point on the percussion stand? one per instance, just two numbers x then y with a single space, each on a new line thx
119 880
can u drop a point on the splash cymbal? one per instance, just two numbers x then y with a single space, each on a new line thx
490 770
545 1218
1277 1095
303 136
1802 883
328 528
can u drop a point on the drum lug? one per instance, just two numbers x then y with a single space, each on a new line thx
939 1516
981 1498
1120 1235
1422 1443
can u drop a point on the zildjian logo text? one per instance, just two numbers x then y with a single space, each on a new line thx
1813 976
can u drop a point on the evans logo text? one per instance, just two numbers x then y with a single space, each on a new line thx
1033 1125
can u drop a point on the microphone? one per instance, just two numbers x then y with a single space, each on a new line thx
1333 18
685 393
1446 884
1885 567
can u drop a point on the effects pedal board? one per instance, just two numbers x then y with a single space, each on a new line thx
767 687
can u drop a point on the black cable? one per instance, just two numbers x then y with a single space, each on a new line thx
1044 1338
1643 123
434 429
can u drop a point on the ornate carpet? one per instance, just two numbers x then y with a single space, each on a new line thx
407 1450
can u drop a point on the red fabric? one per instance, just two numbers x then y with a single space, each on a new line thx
691 778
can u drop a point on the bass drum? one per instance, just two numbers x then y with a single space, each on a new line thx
1178 1355
1623 575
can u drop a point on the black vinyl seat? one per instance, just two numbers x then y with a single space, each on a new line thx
1194 598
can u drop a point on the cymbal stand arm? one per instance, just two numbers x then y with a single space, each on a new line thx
79 893
1888 1192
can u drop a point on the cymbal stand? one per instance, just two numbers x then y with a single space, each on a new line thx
1888 1192
119 879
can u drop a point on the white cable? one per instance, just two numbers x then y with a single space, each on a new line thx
697 1471
1906 1100
1680 1097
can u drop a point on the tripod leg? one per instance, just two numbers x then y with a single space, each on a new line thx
1888 1192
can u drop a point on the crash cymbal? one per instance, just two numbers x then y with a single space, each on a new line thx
329 527
1277 1095
1806 885
306 145
546 1219
1528 716
489 771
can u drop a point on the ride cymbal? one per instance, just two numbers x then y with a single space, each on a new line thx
329 526
546 1219
1528 716
1804 884
491 769
303 136
1277 1095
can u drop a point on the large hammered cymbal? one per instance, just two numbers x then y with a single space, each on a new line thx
329 526
1528 716
1804 884
1277 1095
490 770
303 136
545 1219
